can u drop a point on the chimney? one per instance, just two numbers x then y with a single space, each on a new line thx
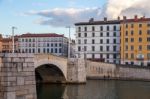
105 18
135 17
118 18
124 17
91 20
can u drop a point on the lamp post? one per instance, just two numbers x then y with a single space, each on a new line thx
13 42
69 43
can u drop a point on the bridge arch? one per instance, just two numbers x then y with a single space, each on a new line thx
52 65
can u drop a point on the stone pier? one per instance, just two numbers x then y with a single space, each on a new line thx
17 76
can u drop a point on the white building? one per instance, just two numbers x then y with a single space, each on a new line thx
43 43
98 40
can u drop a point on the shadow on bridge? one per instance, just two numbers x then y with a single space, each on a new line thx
49 73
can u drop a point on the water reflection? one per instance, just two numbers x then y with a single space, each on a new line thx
98 89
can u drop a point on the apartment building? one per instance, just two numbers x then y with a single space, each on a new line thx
99 40
43 43
135 41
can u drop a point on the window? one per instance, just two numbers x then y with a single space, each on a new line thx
140 25
126 55
101 34
126 33
101 28
93 56
114 28
132 32
132 56
44 50
107 28
55 50
126 48
85 34
101 41
85 48
148 32
79 48
140 39
140 32
114 34
56 45
22 40
107 48
148 24
51 50
60 44
60 50
132 47
93 41
126 40
107 55
93 48
85 41
47 45
107 41
39 50
114 41
148 55
47 50
93 28
79 41
132 39
79 34
148 47
101 48
148 39
51 45
85 28
33 50
132 25
79 29
107 34
114 48
101 55
140 47
126 25
114 56
93 34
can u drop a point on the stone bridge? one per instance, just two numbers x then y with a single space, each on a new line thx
56 69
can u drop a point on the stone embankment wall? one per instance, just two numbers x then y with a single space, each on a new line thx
97 70
17 76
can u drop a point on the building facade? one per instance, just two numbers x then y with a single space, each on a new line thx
98 40
43 43
135 41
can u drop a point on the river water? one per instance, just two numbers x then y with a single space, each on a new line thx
96 89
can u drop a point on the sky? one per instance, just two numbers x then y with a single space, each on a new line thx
53 16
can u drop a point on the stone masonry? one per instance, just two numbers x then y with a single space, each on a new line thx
17 76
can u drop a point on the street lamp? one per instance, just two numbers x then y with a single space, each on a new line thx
69 43
13 42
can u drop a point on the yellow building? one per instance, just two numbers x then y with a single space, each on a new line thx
135 41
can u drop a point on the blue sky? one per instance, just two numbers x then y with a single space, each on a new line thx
18 13
52 16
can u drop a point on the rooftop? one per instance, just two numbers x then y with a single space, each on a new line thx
42 35
118 21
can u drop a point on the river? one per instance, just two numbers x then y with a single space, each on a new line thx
96 89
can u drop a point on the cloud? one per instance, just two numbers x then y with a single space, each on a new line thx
59 17
129 8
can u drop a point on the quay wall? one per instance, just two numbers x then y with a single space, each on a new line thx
97 70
